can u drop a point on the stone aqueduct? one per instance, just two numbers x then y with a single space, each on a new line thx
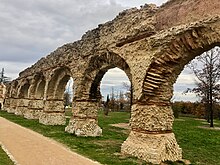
151 45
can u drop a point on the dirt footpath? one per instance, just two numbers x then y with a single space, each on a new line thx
30 148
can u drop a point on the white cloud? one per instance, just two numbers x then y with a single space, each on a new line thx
179 96
11 68
137 3
114 78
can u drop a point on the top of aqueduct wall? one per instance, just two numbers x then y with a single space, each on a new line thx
130 25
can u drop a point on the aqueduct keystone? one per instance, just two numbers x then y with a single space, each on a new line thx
151 44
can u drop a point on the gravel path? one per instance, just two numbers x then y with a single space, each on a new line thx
27 147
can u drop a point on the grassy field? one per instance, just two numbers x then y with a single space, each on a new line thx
200 146
4 159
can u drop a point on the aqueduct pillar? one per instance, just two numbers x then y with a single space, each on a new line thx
84 121
151 137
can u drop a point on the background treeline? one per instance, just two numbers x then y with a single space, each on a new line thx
196 109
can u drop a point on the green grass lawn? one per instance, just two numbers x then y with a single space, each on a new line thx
200 146
4 159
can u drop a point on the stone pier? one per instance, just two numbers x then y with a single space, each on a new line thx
84 120
151 137
53 113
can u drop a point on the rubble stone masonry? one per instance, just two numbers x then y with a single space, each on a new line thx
151 45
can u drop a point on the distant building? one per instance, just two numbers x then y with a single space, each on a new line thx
2 94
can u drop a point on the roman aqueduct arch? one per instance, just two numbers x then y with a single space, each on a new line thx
151 44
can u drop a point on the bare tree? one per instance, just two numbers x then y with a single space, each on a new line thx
129 92
207 71
106 106
112 100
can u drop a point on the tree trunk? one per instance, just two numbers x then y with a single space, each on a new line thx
211 91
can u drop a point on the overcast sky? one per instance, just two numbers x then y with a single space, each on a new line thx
31 29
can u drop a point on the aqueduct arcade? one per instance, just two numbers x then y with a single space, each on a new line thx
151 45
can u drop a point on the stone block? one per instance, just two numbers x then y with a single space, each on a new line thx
153 148
85 108
54 106
84 127
52 118
36 104
23 102
151 117
32 114
20 110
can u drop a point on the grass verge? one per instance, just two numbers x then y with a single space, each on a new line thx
200 146
105 149
4 159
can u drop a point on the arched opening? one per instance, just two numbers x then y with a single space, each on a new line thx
39 93
111 90
117 87
61 79
68 97
193 109
12 92
87 95
21 104
192 86
99 66
23 92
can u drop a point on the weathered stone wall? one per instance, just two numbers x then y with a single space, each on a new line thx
151 44
2 95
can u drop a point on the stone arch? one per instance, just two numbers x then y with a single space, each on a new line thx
152 115
54 112
36 80
23 91
165 68
57 83
85 115
153 40
40 88
99 65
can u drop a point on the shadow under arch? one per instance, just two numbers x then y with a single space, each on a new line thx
40 88
58 82
23 90
13 89
37 87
